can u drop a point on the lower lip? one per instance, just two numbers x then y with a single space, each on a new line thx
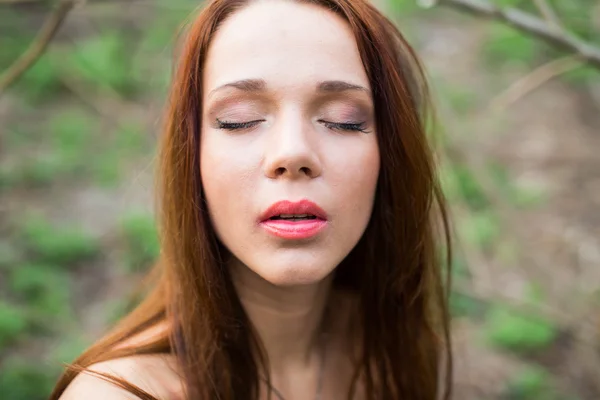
294 229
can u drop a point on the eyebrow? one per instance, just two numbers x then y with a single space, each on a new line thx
259 85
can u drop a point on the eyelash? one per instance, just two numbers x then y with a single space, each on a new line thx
232 126
342 126
345 126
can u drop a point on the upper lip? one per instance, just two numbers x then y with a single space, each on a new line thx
290 207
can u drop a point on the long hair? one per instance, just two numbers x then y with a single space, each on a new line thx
396 271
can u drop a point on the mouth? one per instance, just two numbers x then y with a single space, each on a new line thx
293 217
294 220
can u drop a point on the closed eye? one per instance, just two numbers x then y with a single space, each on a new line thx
232 126
345 126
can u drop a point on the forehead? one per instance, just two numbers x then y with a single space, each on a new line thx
288 44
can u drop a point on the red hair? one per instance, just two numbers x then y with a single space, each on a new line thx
395 272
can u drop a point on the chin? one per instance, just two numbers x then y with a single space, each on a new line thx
293 278
293 274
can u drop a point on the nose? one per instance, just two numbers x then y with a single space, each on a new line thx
290 151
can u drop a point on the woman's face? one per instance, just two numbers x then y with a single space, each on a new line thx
289 155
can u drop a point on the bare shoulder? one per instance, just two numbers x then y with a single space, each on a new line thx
155 374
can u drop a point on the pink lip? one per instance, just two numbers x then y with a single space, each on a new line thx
294 229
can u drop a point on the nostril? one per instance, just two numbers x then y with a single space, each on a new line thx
280 171
305 170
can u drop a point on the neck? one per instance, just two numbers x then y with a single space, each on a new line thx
287 319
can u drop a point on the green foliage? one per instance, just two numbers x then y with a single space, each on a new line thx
481 228
25 380
42 80
582 76
7 177
9 255
106 169
460 269
518 331
41 170
129 138
104 60
531 384
577 17
68 349
459 182
464 305
70 132
126 141
60 246
461 98
120 308
141 240
12 45
507 45
44 289
12 324
520 196
508 3
17 137
404 7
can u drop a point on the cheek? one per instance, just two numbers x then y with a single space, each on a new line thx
226 177
356 177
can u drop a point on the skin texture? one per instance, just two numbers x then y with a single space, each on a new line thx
290 154
292 150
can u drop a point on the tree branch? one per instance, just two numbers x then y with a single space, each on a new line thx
39 44
532 81
548 14
530 24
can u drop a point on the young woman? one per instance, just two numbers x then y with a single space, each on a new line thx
299 215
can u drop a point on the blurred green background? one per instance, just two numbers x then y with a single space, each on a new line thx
519 135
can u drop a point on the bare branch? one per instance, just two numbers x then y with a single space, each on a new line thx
548 14
39 45
533 80
530 24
